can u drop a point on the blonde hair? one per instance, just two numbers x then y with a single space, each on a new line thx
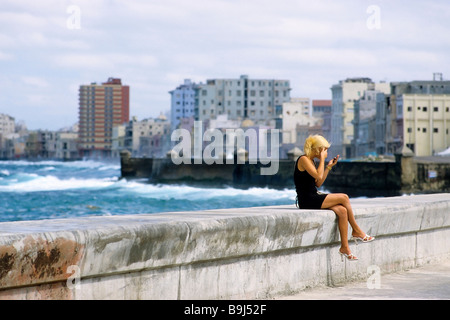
314 143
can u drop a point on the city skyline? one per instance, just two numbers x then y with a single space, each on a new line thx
49 48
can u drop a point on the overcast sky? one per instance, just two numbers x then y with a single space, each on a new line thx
49 48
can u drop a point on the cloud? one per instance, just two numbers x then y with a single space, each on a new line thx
154 45
35 81
104 61
6 56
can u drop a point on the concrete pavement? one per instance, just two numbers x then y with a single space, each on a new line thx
429 282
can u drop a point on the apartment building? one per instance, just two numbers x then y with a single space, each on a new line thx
344 94
101 107
426 122
321 107
7 129
7 125
149 137
369 124
256 99
182 103
421 115
66 146
296 115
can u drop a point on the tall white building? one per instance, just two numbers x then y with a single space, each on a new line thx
7 124
256 99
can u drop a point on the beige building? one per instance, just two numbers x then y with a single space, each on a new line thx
148 137
66 145
426 122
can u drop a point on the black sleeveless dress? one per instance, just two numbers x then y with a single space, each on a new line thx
305 185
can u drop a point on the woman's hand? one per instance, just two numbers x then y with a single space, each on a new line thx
333 161
323 154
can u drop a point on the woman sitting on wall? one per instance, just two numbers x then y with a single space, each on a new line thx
308 178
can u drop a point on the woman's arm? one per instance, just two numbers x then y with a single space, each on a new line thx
317 173
321 172
327 170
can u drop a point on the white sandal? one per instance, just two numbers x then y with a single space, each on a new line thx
349 257
366 238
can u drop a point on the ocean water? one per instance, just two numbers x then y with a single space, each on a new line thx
52 189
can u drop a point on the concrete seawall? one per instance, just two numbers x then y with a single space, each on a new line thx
251 253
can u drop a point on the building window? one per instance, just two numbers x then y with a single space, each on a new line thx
424 109
436 130
424 130
436 109
409 109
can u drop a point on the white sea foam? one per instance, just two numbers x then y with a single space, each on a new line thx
34 183
168 192
69 164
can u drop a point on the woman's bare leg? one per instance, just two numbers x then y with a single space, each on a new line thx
335 199
342 215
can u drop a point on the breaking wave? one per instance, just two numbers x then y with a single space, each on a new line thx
52 189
